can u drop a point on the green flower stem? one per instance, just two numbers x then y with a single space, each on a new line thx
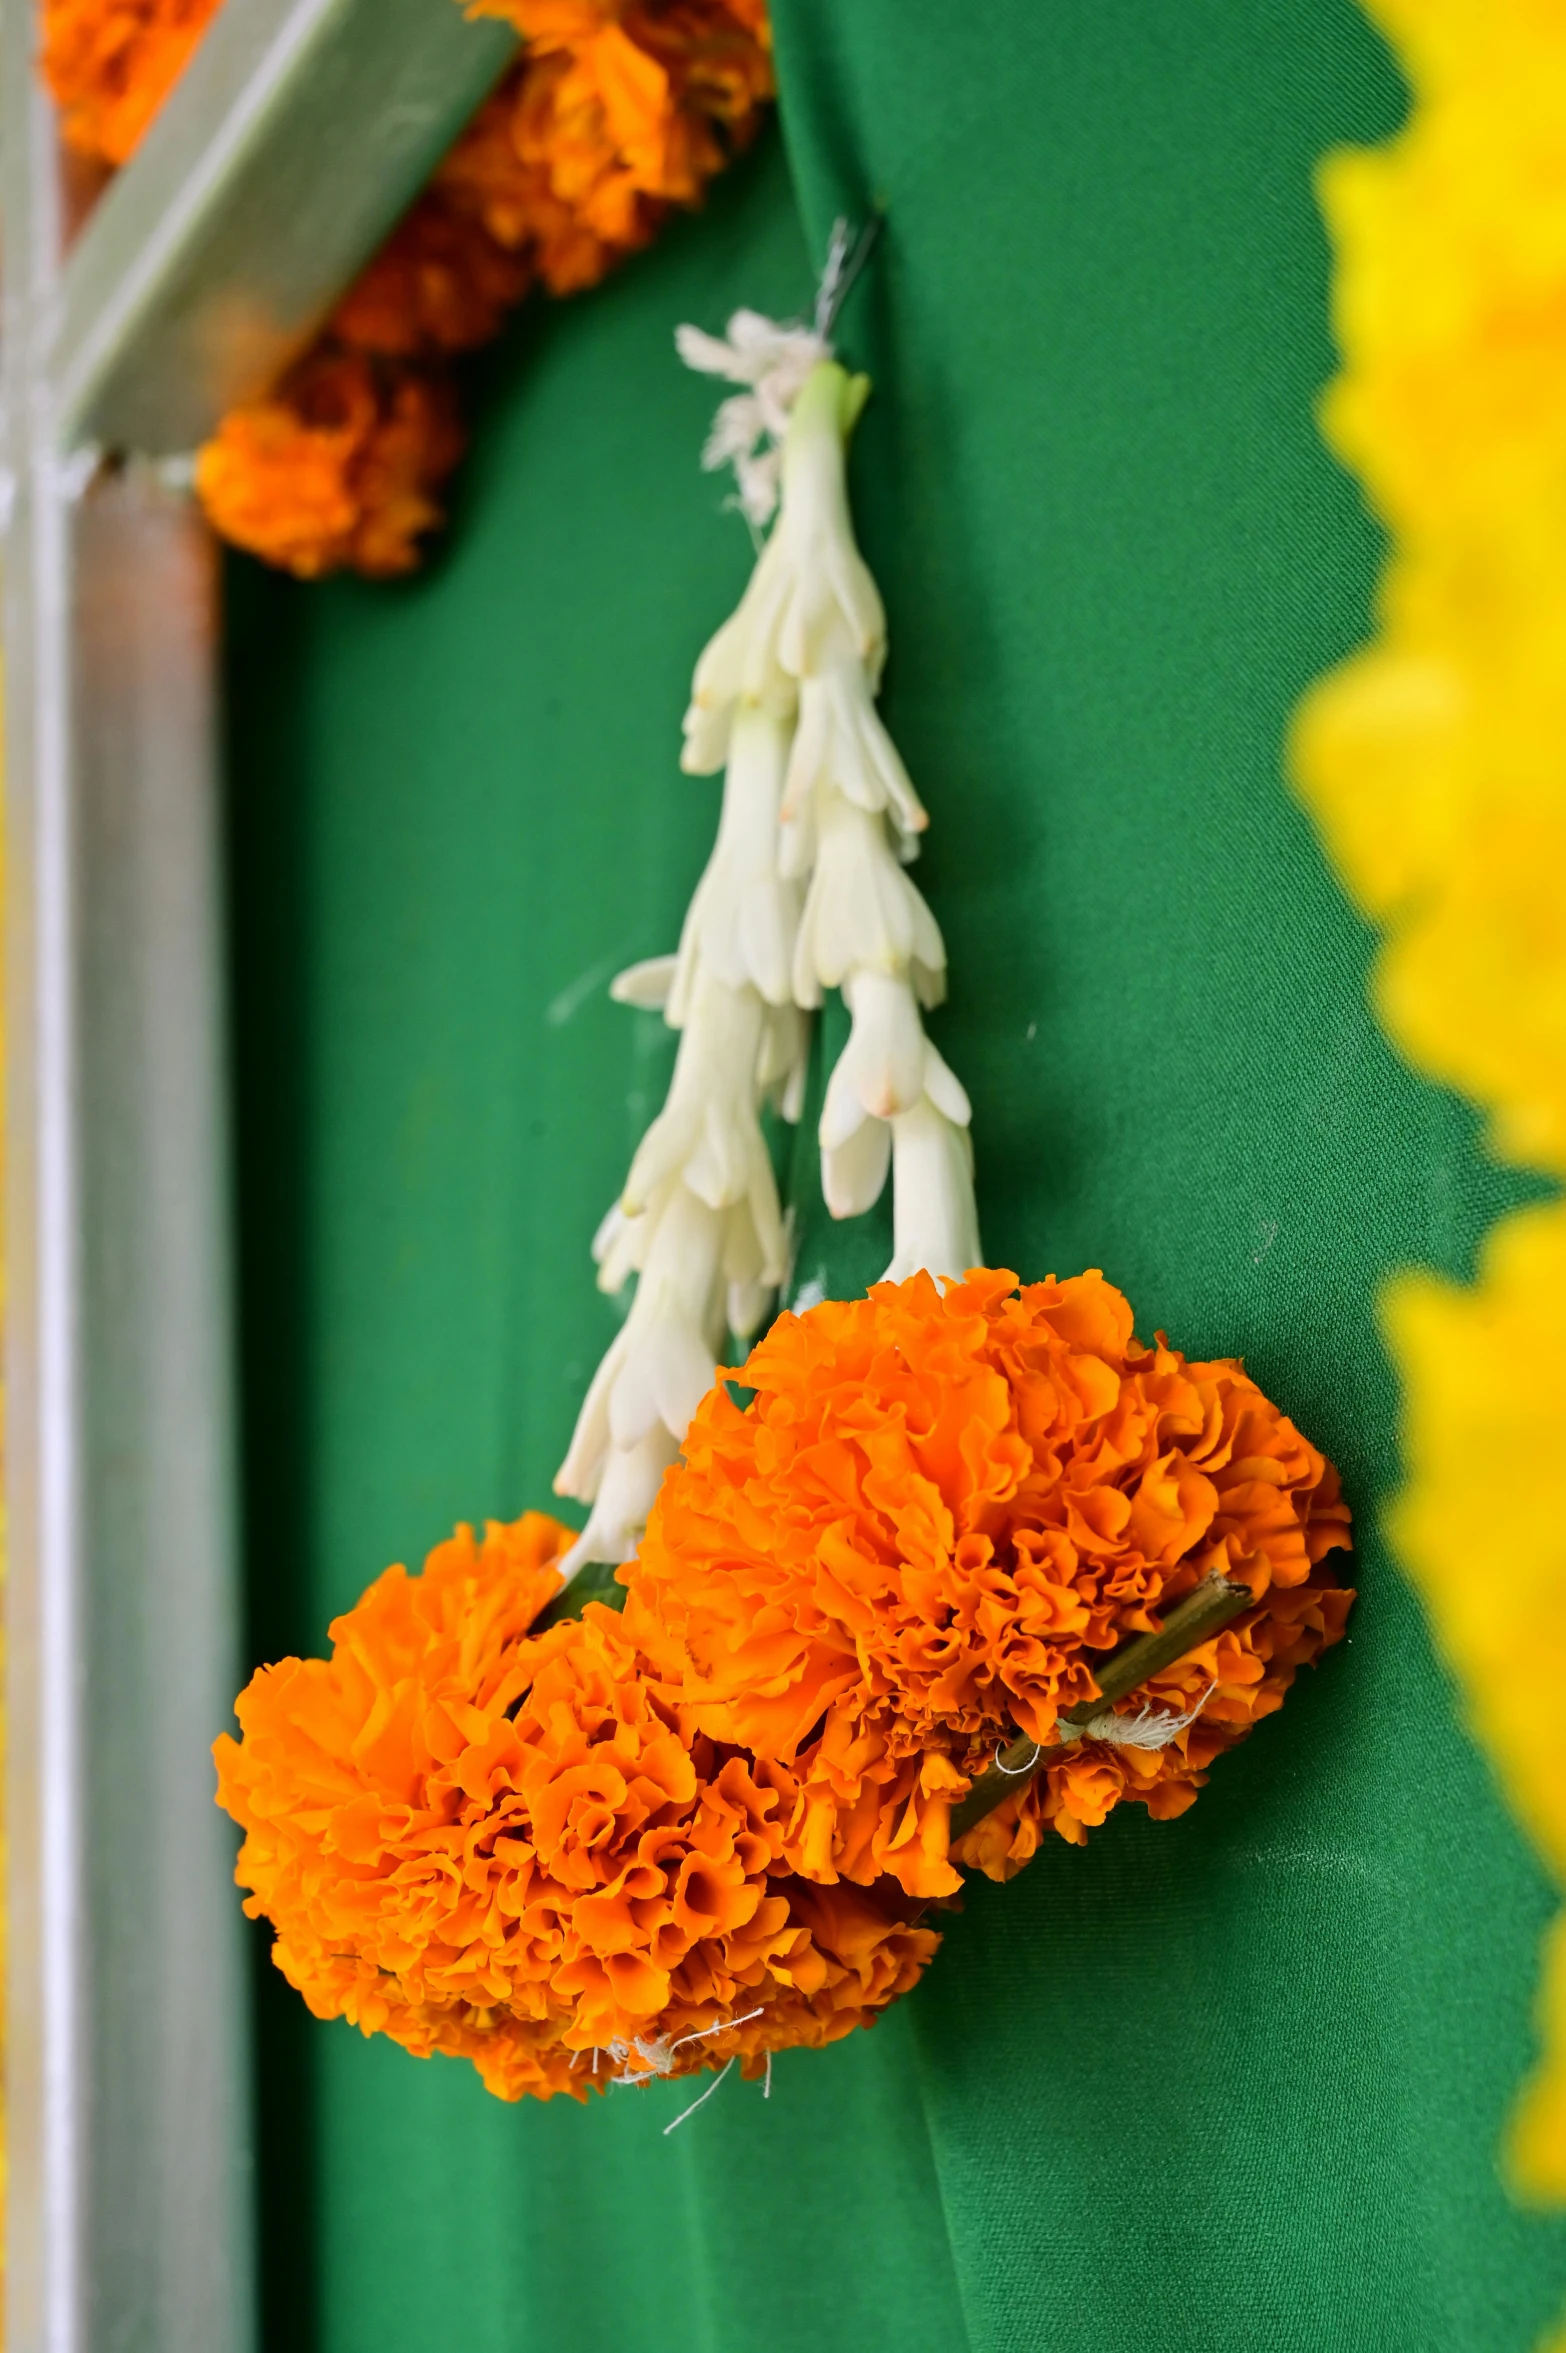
1195 1621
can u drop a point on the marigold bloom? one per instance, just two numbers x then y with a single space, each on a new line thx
506 1847
340 467
440 283
111 63
936 1512
614 116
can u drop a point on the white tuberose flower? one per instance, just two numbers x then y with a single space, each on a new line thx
842 744
814 792
708 1132
657 1370
934 1223
742 920
862 910
887 1068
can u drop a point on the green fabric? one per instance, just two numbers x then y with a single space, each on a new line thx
1229 2082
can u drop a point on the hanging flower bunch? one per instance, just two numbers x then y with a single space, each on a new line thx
619 110
972 1563
969 1564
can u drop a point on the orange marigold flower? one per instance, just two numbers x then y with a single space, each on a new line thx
935 1514
441 282
610 120
858 1951
516 200
341 466
111 63
505 1846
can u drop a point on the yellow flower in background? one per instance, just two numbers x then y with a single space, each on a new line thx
1435 765
4 1876
1482 1519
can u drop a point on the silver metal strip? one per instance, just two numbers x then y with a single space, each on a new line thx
300 130
298 133
129 2209
44 2042
165 2243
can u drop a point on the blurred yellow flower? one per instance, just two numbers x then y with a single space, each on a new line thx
1435 765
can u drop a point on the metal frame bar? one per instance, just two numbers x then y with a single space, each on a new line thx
297 135
214 257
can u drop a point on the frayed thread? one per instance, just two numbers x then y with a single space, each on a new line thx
654 2055
698 2103
772 358
1151 1727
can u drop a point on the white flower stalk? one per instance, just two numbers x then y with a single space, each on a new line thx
809 637
805 890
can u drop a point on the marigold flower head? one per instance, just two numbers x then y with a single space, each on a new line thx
613 116
441 282
111 63
341 467
938 1511
505 1846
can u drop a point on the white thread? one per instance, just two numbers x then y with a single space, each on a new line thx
766 2081
656 2052
846 257
772 358
701 2103
1016 1772
701 2032
1150 1728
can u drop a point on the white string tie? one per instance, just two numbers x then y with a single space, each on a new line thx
698 2103
655 2054
772 358
1152 1727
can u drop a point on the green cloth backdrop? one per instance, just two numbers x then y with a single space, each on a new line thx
1231 2082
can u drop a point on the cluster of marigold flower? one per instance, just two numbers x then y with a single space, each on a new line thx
618 110
708 1827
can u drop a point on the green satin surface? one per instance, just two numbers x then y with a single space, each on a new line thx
1228 2082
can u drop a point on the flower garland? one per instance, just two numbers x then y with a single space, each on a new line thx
618 110
1433 764
971 1564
